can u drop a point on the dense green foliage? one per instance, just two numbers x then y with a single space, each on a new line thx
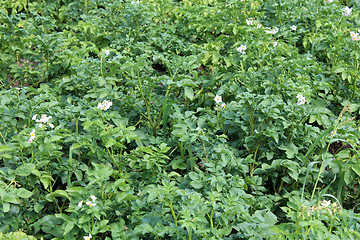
165 119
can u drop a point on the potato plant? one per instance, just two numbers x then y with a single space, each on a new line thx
177 119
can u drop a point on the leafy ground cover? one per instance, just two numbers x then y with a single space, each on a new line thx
184 119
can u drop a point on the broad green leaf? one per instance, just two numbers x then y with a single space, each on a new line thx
356 169
5 148
11 198
189 93
123 196
6 207
38 207
69 226
59 193
46 180
25 169
290 149
23 193
349 176
84 218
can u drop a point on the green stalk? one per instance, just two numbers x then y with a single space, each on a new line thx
111 153
153 126
346 108
320 171
77 125
173 213
86 7
3 138
12 181
101 66
307 231
211 218
252 165
206 155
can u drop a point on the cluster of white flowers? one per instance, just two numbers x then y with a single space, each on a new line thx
333 208
43 119
249 21
218 99
133 2
293 27
89 203
268 30
32 136
104 105
241 49
330 1
325 203
107 52
355 36
275 44
258 25
301 99
347 11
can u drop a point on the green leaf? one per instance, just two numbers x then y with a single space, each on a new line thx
25 169
46 180
356 169
11 198
59 193
196 184
189 93
110 142
166 113
5 99
124 197
349 177
5 148
144 228
290 150
6 207
76 191
38 207
23 193
84 218
69 226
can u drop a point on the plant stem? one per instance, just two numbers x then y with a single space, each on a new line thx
173 213
148 110
3 138
252 165
101 66
211 218
206 155
322 164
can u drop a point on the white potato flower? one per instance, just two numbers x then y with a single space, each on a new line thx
87 237
90 204
104 105
218 99
325 203
347 11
